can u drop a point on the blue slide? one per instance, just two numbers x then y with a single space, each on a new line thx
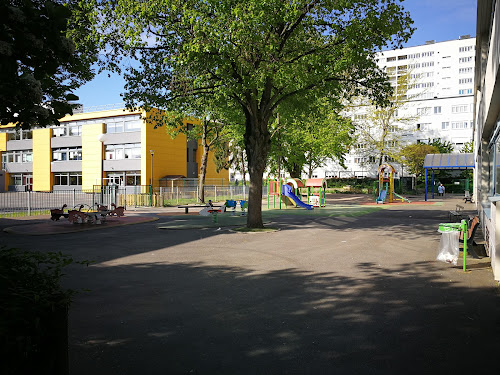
286 190
381 197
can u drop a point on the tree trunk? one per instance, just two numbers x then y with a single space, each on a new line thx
203 166
243 170
257 143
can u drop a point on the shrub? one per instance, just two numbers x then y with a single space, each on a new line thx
33 311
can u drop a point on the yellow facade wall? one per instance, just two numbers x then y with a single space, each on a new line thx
170 155
42 157
92 155
3 147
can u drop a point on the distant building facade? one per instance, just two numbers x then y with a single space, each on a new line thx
87 149
440 96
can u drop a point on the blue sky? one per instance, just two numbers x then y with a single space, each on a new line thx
438 20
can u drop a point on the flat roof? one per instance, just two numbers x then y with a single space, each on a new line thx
449 161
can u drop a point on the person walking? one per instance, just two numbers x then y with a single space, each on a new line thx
441 190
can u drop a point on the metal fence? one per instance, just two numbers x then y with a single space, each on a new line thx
39 203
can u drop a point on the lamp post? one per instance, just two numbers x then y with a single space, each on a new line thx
152 152
100 138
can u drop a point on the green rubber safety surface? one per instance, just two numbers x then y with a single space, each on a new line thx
229 220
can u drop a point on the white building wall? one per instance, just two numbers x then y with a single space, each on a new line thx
444 79
487 126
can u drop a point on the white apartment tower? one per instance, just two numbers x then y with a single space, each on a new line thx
441 92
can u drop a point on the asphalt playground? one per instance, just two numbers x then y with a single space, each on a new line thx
350 289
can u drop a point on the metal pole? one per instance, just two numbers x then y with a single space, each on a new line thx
74 197
464 231
29 203
215 193
425 195
177 193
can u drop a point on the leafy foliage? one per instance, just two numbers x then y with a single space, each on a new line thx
307 132
444 147
30 292
45 54
253 54
381 130
413 156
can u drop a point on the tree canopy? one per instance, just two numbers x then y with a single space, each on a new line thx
255 54
44 56
413 156
307 132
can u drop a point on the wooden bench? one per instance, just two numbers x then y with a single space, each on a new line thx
457 213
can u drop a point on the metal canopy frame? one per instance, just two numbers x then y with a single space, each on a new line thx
446 161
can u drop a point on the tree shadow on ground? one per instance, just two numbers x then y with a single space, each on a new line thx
190 318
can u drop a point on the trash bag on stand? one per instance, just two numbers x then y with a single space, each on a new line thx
448 247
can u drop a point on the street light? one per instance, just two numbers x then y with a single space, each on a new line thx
152 152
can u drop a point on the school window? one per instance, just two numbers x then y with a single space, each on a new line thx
123 151
63 154
19 134
463 60
437 110
68 179
465 70
389 59
445 125
25 156
427 64
428 54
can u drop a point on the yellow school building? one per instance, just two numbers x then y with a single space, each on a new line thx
118 147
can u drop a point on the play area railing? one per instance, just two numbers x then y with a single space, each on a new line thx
32 203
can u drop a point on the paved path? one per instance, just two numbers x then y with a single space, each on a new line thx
324 295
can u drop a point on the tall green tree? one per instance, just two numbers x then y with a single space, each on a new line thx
444 147
255 54
381 129
45 54
308 132
413 157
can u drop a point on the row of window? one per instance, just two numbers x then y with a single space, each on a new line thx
411 56
456 125
462 81
63 154
25 156
131 178
465 92
467 59
469 69
466 48
123 151
372 159
18 135
120 124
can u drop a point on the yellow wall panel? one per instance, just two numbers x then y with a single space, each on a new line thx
92 155
169 154
3 147
42 157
